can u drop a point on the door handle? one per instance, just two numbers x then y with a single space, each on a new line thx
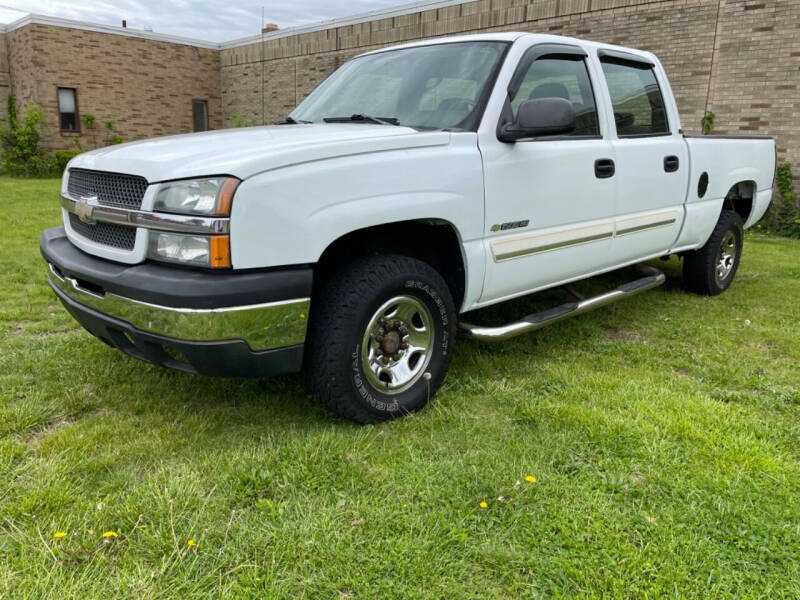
671 164
604 168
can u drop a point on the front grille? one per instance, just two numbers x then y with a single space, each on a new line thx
108 234
111 189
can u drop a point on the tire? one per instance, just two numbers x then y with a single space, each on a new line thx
710 270
360 320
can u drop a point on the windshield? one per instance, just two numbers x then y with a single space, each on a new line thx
439 86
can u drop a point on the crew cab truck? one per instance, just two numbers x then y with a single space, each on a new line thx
415 184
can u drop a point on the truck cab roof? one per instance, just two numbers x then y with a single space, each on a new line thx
514 36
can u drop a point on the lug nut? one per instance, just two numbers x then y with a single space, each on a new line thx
379 338
404 346
396 357
385 360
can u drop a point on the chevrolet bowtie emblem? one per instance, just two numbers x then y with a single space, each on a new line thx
84 209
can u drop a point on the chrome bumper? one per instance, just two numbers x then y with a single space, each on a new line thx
261 326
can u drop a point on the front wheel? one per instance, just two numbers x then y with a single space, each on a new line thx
710 270
381 337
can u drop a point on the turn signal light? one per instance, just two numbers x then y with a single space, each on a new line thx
220 255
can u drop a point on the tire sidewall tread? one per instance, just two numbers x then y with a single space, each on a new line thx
339 315
699 266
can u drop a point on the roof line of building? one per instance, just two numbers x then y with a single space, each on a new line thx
125 31
374 15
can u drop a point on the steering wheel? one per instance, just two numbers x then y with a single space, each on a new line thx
457 104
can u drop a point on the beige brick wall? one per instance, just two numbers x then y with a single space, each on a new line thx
754 45
145 86
674 29
5 76
21 66
755 87
737 58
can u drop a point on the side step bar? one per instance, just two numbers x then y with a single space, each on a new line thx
652 278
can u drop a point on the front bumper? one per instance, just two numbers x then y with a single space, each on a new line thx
224 324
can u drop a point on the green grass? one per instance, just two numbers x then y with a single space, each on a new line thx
662 431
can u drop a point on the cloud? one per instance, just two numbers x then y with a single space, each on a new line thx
202 19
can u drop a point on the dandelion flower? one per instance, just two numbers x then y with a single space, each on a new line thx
191 543
60 534
530 479
110 534
483 505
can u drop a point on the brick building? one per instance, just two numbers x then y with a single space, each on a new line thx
737 58
146 83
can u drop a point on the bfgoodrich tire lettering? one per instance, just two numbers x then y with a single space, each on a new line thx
360 304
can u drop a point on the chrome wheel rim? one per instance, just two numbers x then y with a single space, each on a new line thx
726 256
397 344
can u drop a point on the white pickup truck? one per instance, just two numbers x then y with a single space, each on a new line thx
415 184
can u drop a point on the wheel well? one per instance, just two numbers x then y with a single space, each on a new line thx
740 198
434 242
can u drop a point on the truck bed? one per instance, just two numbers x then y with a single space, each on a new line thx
728 160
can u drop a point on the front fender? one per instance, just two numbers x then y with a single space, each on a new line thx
288 216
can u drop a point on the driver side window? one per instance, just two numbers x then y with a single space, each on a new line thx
567 78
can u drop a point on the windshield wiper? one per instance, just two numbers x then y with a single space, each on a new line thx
292 121
367 118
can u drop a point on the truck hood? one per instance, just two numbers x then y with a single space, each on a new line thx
247 151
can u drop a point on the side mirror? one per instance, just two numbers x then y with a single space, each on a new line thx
543 116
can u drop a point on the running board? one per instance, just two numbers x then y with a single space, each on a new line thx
652 278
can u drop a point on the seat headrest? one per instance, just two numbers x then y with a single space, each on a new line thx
549 90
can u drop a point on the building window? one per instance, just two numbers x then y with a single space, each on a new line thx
68 109
200 115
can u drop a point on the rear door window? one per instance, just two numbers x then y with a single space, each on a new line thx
636 97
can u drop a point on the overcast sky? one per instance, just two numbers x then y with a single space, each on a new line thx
211 20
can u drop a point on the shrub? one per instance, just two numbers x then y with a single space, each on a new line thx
239 120
783 217
62 157
20 140
707 123
90 128
112 137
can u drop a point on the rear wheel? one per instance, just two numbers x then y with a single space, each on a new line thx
381 337
710 270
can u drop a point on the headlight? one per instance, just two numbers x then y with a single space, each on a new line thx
193 250
209 196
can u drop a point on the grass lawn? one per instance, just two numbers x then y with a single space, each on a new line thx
662 433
